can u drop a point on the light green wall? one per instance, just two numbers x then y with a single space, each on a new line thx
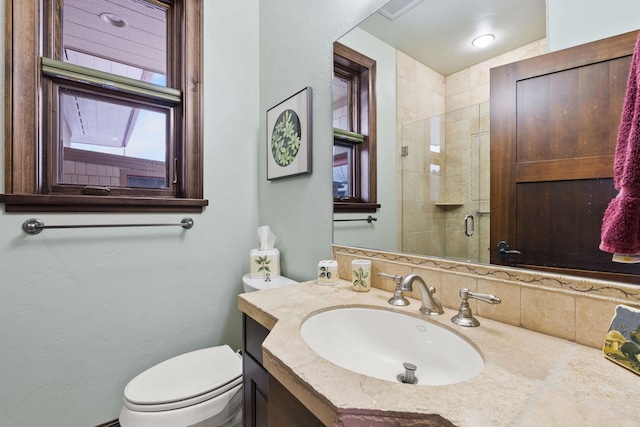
296 39
382 233
574 22
83 311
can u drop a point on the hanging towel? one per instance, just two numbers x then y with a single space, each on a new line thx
621 223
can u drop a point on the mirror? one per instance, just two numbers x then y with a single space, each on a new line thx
438 187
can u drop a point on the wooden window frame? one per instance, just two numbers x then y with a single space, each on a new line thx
26 173
350 62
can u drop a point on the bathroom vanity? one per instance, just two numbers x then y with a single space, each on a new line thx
264 397
529 379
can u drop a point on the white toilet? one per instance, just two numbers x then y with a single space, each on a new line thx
202 388
252 285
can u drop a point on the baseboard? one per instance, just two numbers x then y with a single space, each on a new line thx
114 423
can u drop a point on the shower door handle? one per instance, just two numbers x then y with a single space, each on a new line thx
469 231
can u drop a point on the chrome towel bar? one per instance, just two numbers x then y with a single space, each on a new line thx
369 219
35 226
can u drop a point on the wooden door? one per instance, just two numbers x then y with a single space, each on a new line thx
554 122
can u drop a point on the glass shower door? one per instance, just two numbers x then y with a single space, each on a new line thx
444 167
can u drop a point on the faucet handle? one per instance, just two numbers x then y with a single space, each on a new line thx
464 316
396 279
398 298
491 299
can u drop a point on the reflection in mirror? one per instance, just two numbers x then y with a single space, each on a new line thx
445 185
431 105
343 154
439 190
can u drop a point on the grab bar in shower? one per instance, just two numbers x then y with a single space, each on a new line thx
35 226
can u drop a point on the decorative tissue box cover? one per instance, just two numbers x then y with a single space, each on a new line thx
622 342
265 262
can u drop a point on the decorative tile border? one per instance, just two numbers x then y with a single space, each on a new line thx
618 291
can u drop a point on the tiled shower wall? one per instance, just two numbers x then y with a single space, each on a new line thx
445 175
420 95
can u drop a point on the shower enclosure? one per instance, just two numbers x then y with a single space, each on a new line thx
444 182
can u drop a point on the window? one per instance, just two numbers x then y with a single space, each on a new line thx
104 106
354 141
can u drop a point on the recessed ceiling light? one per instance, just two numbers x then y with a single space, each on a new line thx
113 20
483 41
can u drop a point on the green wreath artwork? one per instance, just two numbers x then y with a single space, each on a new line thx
285 139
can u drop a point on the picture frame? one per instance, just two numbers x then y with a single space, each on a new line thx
289 136
622 341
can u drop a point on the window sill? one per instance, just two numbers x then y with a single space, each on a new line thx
346 207
58 203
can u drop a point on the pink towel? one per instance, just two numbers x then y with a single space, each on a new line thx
621 222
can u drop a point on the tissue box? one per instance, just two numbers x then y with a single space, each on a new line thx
263 262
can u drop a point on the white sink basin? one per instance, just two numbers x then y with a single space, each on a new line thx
377 343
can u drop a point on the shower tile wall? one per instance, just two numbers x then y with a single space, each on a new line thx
446 173
461 190
421 95
471 85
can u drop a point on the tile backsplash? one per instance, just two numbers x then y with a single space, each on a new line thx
571 308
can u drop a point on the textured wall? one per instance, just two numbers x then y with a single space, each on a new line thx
296 40
382 233
83 311
575 22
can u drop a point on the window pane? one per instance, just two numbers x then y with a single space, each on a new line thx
123 37
341 104
342 171
112 143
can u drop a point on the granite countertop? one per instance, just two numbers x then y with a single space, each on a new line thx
529 379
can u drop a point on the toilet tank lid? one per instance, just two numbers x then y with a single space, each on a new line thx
185 376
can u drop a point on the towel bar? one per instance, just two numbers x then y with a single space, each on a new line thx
35 226
369 219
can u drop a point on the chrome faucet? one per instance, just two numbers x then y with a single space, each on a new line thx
430 305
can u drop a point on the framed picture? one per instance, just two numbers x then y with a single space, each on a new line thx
622 342
289 136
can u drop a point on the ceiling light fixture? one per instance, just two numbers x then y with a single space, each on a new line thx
483 41
113 20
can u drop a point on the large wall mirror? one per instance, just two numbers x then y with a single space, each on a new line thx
434 129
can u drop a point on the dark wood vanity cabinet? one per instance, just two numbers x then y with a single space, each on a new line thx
255 380
281 409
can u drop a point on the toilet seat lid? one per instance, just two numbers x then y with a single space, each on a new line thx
185 376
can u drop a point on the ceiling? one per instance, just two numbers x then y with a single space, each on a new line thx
140 41
131 44
438 33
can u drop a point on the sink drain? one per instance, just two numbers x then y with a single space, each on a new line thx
408 377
